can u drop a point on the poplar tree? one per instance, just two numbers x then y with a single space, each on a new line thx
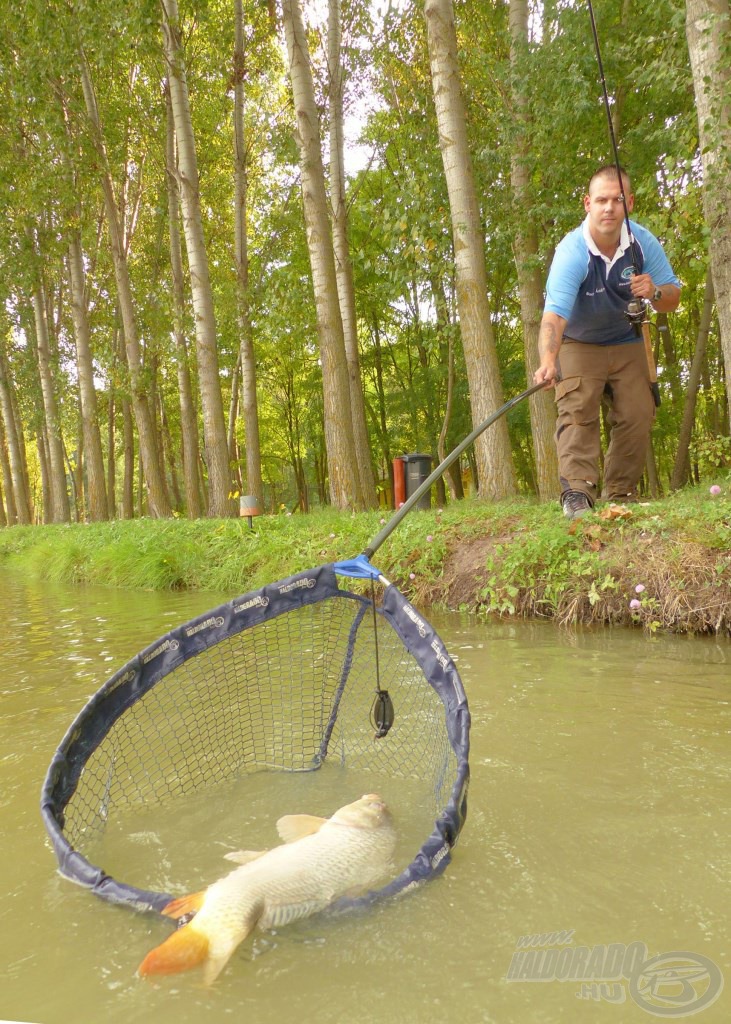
214 427
343 476
492 448
708 29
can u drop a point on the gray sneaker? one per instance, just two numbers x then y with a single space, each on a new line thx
575 504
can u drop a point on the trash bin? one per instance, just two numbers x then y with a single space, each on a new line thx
418 468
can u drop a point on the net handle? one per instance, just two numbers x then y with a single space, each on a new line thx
424 487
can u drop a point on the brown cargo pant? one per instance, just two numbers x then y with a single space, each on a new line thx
585 370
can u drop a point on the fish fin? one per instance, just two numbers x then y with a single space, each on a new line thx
189 904
182 950
222 947
216 963
244 856
278 916
296 826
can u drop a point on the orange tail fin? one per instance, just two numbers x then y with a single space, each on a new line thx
190 904
182 950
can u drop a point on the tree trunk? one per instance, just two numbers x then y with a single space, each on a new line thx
343 264
530 278
214 423
708 28
13 437
338 421
681 467
254 485
381 418
75 472
128 447
158 503
42 448
167 445
188 417
444 327
59 510
111 460
492 448
653 480
96 490
8 512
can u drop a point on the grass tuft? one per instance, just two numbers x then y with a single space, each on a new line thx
507 558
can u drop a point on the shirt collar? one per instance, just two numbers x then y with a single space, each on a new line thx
621 248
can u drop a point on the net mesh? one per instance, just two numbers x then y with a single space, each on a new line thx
282 690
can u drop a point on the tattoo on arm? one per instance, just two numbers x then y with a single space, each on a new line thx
548 339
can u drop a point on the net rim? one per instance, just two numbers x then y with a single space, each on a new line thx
142 672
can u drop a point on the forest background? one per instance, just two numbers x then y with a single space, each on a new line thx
208 290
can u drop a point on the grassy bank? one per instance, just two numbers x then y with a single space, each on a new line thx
663 565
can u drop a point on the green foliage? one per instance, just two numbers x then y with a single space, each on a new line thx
401 235
511 558
548 561
712 453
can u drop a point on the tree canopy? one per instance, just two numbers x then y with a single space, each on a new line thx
168 340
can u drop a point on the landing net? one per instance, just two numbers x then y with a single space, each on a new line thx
280 680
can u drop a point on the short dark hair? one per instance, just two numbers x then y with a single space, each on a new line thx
610 171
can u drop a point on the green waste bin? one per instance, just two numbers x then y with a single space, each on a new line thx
418 468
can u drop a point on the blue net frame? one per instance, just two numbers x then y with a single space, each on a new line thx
134 744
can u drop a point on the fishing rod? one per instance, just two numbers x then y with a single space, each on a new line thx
636 309
424 487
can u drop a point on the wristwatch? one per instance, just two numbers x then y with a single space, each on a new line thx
656 295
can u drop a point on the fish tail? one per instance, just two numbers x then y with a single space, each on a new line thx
190 904
185 948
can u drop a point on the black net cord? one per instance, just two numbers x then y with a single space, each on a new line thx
347 665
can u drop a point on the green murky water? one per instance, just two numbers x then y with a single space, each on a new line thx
599 807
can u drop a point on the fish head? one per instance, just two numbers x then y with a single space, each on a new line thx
369 812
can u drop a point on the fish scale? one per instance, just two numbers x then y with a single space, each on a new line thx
322 860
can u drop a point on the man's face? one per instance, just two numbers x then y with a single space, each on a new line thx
605 208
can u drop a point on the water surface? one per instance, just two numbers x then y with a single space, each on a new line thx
599 805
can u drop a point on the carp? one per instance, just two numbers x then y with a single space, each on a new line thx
321 859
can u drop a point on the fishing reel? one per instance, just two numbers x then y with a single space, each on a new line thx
636 313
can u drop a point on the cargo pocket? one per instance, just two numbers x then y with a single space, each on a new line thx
565 387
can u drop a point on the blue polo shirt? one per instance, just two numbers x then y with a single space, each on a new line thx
591 292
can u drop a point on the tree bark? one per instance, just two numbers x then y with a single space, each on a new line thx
96 490
13 437
343 263
444 327
530 278
492 448
681 466
254 485
8 512
708 29
158 503
343 475
111 448
42 448
59 510
214 423
188 417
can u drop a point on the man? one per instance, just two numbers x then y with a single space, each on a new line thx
590 283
